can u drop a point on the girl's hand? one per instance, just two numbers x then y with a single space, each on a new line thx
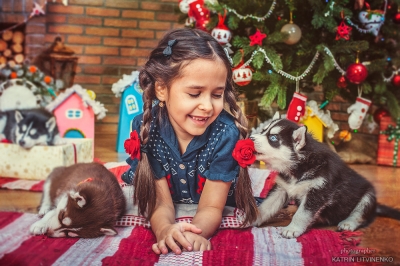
172 237
198 242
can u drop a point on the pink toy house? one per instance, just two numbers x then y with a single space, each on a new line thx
75 112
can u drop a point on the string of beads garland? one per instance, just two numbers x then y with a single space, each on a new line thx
283 73
305 73
271 9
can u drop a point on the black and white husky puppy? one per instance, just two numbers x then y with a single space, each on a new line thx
28 128
325 189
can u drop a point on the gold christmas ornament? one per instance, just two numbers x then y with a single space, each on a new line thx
293 30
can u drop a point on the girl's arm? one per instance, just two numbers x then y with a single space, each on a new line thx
163 223
212 202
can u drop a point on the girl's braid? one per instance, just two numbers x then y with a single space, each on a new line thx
244 190
144 183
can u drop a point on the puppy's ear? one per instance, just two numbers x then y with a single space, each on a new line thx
299 137
108 231
79 199
276 116
18 116
51 124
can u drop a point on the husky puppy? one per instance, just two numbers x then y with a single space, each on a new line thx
325 189
82 200
28 128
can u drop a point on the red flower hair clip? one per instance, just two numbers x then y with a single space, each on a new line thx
132 145
244 152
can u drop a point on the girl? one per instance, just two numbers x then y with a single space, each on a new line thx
187 139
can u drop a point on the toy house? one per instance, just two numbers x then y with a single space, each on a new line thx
75 110
315 126
131 105
316 120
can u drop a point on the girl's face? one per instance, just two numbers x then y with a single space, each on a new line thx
196 98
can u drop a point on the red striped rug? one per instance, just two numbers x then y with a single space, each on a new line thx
132 246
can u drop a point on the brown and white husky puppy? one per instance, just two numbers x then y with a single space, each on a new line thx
325 189
82 200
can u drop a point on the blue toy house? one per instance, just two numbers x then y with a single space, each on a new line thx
131 105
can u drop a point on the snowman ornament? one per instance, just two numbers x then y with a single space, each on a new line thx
372 21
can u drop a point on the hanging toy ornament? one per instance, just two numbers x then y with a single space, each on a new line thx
372 19
296 107
222 33
357 72
242 75
200 13
184 5
396 80
343 31
357 112
293 30
257 38
341 83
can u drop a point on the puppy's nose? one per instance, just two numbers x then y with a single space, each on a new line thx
22 142
252 138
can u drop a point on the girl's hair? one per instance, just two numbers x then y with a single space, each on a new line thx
191 44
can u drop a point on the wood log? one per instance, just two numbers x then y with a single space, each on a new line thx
18 37
17 48
3 60
7 35
19 58
7 53
3 45
11 63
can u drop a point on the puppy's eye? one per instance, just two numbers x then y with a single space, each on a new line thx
273 138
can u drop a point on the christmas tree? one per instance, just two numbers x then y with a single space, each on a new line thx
349 47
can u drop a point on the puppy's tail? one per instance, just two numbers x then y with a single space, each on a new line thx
385 211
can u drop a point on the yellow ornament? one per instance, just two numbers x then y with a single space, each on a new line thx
92 94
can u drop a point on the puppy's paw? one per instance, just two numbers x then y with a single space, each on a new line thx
258 222
59 141
292 231
44 209
348 224
38 228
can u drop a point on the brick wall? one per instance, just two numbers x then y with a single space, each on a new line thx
111 38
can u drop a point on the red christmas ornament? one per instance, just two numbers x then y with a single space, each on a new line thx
221 33
257 38
343 31
396 18
396 80
356 73
341 83
379 113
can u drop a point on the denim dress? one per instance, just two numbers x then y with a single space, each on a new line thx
208 156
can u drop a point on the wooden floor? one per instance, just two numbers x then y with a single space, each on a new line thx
382 236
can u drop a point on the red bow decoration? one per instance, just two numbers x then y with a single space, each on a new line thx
244 152
132 145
